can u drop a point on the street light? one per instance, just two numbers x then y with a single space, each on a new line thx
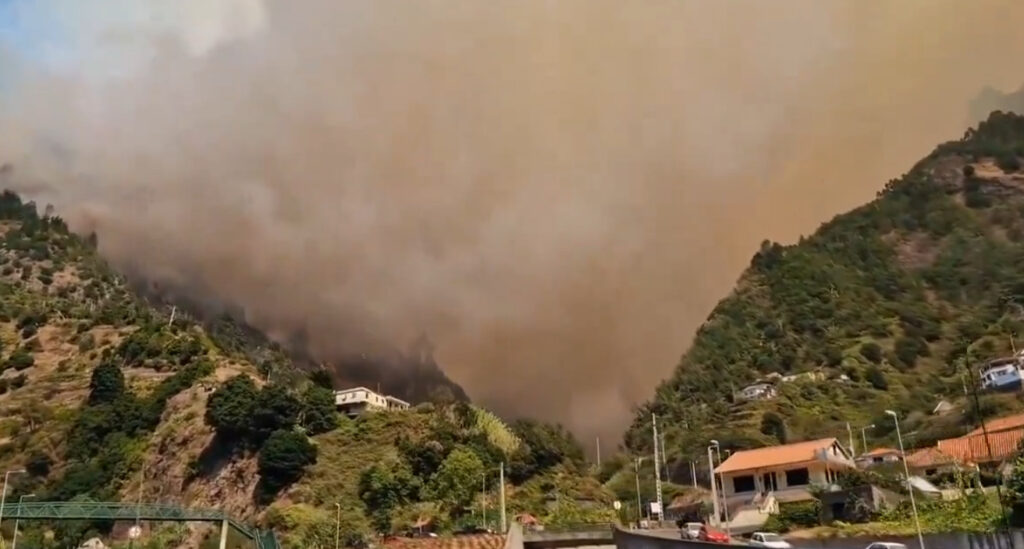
337 528
906 470
864 436
725 502
3 499
14 540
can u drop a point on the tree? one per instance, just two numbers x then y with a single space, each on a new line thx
322 378
773 425
283 458
230 408
107 384
383 488
877 378
543 446
455 483
276 409
1015 490
318 412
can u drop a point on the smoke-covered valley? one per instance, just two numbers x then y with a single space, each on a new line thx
556 192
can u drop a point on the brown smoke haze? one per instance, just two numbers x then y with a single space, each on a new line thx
556 191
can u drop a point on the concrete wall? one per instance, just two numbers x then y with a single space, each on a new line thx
1001 540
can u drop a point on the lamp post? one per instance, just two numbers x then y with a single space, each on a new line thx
725 502
714 490
864 436
337 527
14 540
906 470
3 499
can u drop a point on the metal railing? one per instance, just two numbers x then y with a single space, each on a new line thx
71 510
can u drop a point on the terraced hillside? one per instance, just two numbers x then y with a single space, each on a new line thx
895 304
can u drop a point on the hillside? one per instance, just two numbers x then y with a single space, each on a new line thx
893 305
112 393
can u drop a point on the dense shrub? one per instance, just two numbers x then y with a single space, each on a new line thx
877 378
283 458
871 351
230 408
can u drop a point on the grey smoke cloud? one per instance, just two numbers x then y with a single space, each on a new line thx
557 192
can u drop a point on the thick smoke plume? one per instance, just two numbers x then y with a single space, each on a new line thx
556 191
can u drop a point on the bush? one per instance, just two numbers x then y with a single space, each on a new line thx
908 349
871 351
804 514
968 170
1008 162
107 384
20 360
877 378
283 458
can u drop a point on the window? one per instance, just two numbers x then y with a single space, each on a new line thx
743 483
797 477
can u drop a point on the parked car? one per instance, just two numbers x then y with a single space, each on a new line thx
690 530
886 545
769 540
710 534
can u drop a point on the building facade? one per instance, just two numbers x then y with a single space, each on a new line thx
359 400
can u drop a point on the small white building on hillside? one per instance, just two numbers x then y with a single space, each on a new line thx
358 400
758 391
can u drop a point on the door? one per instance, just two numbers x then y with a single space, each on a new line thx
768 481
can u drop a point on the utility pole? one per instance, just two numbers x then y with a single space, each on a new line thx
501 477
864 435
639 505
657 469
693 473
483 500
598 440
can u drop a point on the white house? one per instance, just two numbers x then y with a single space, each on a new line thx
753 482
1003 373
758 391
357 400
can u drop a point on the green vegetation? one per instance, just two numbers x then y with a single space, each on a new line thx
283 458
895 304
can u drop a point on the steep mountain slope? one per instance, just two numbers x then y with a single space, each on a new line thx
886 304
106 395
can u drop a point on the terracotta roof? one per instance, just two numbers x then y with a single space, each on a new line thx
928 457
974 449
773 456
1001 424
881 452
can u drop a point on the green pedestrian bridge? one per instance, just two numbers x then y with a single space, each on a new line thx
62 510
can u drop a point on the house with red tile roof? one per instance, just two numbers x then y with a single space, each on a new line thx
978 449
1007 423
928 461
788 467
879 456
